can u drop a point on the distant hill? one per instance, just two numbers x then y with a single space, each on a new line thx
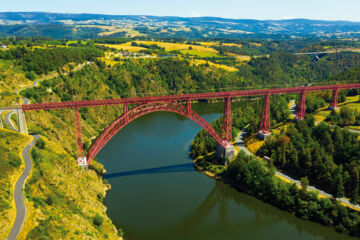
73 26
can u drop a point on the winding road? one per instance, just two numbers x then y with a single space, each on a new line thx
9 121
19 194
240 146
19 186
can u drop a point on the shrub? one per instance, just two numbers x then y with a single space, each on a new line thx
40 144
98 220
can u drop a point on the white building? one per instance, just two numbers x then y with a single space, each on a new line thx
3 46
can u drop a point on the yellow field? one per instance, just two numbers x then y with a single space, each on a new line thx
240 58
232 45
126 47
180 46
108 61
322 113
199 61
196 50
209 44
253 144
256 44
199 53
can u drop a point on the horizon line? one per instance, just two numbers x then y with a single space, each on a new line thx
188 17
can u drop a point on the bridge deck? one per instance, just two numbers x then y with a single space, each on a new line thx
11 108
185 97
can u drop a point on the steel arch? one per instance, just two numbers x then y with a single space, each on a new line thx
141 110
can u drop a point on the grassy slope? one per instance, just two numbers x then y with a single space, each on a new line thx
64 198
57 206
11 76
56 175
11 167
322 113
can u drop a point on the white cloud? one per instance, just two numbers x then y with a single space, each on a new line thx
194 13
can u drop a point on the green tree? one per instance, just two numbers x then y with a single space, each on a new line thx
338 183
304 184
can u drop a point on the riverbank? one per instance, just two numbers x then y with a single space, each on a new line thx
251 176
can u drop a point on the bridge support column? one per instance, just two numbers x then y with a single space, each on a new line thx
225 154
126 109
264 130
188 107
226 134
81 159
334 100
300 111
21 121
1 123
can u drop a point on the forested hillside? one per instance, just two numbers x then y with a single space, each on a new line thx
51 189
327 156
60 25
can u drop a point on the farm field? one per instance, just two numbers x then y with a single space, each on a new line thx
322 113
222 66
126 47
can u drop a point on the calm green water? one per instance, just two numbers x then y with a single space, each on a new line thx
157 194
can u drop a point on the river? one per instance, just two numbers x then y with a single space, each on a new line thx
157 194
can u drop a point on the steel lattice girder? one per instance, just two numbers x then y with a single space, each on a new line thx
184 97
334 99
265 118
300 111
79 142
227 125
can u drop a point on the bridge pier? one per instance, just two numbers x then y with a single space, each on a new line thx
21 121
226 133
225 154
300 110
334 100
81 159
264 131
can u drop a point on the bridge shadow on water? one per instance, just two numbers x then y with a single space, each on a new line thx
186 167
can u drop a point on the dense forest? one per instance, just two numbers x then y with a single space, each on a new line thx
328 156
43 61
346 117
254 177
144 77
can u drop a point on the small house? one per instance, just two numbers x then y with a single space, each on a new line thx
3 46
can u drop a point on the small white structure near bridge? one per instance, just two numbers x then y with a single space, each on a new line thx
3 46
82 162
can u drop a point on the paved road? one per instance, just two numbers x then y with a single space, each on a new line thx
353 131
35 83
239 145
9 122
18 193
292 108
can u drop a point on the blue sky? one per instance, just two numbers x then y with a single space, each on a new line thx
254 9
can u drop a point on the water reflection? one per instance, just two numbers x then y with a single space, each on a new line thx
222 196
174 201
187 167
